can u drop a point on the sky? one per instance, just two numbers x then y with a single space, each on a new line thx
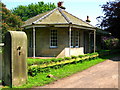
79 8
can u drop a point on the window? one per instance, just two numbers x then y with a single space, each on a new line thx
72 39
53 39
75 38
31 39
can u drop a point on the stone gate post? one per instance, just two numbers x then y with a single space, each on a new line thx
15 55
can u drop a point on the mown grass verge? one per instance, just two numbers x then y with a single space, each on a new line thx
66 70
41 78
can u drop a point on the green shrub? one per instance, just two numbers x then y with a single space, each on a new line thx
74 57
34 64
94 53
88 54
53 60
35 61
80 56
32 71
57 66
59 59
104 52
81 61
110 42
44 70
67 58
47 61
85 55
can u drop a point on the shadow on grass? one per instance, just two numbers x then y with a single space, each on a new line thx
117 59
111 56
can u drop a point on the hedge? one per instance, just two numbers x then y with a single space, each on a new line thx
48 61
44 66
107 52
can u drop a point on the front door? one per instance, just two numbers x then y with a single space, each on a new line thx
86 42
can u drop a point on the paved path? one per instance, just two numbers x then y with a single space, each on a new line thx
102 75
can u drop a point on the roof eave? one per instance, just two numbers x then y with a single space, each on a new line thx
59 25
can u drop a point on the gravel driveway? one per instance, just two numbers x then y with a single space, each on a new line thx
102 75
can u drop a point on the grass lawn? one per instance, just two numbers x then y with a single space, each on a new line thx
67 70
41 78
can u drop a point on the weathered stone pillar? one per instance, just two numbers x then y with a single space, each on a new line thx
15 55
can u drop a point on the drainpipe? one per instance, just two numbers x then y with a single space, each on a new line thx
33 42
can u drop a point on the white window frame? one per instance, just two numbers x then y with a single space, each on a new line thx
72 39
77 38
75 35
31 39
53 37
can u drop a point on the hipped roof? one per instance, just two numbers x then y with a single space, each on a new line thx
56 16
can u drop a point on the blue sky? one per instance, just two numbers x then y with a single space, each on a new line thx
79 8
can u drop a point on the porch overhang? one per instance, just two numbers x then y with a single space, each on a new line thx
60 25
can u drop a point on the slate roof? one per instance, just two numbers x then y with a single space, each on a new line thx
56 16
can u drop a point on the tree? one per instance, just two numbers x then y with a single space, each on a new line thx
111 19
26 12
8 20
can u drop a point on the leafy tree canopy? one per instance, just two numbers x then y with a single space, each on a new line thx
26 12
8 20
111 19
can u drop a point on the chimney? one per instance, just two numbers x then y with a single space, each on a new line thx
88 19
60 5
